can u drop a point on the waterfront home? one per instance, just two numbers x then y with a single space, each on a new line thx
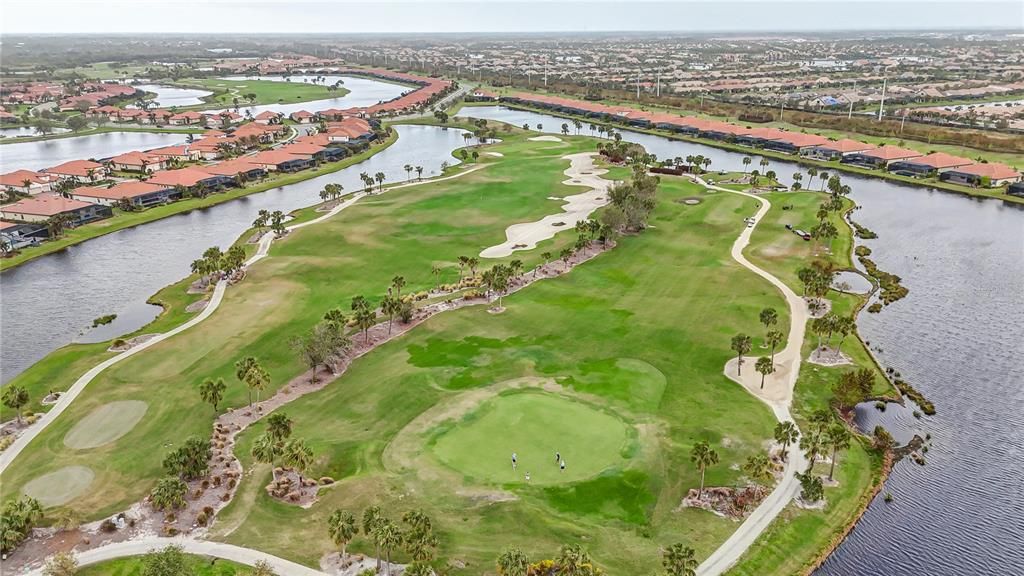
185 118
237 168
263 133
879 157
181 153
314 151
991 174
832 150
278 160
301 117
222 119
79 171
137 162
481 95
794 142
131 192
44 206
209 148
27 181
930 164
1015 189
190 179
157 116
758 137
17 235
268 117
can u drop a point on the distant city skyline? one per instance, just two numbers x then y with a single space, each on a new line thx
482 16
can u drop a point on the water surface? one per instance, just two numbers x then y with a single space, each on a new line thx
48 153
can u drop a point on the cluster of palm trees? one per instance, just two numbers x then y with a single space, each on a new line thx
817 281
331 192
742 343
698 161
574 560
833 324
499 278
416 538
188 462
275 219
824 433
17 520
216 262
409 169
368 181
276 446
15 397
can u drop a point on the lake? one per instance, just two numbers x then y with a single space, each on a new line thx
48 153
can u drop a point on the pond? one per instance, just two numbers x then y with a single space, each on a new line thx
362 92
168 96
51 301
853 282
25 131
48 153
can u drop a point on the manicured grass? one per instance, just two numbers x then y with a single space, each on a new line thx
134 566
641 332
266 91
122 220
534 426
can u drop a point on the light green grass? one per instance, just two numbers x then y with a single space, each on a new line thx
534 426
134 566
266 91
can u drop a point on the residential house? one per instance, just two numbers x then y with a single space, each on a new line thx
135 193
832 150
79 171
268 117
990 174
238 168
879 157
185 119
181 153
278 160
191 179
27 181
44 206
137 162
17 235
795 142
302 117
928 165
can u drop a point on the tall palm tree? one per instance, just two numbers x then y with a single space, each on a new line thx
398 282
212 391
473 262
702 455
388 537
15 397
740 345
844 325
746 162
371 518
679 560
513 562
786 433
380 177
812 172
769 317
298 455
258 379
764 367
342 528
463 261
419 172
435 270
763 163
408 172
838 437
242 369
773 339
812 444
758 467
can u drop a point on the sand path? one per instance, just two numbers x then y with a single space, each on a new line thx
777 394
578 207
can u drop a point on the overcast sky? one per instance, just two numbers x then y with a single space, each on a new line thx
342 16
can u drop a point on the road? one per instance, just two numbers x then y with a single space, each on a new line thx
777 394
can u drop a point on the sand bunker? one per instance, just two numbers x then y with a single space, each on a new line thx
545 138
105 424
59 486
577 207
496 154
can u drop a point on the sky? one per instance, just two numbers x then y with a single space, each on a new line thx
432 16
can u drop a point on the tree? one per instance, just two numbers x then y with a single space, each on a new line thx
702 455
758 467
746 162
812 444
17 519
786 433
257 379
463 261
371 518
408 172
769 317
342 528
679 560
76 123
473 262
764 367
212 391
388 537
171 561
419 539
546 257
513 562
61 564
380 177
242 369
190 460
844 325
773 338
168 494
419 172
262 568
838 437
740 345
15 397
297 454
323 344
266 449
279 426
573 560
365 319
811 489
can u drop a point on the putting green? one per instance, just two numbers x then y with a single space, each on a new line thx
60 486
534 425
105 424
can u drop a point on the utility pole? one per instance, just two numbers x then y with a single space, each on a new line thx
638 85
903 121
782 108
881 103
850 113
659 83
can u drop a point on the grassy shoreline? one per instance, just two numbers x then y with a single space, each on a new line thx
122 220
833 166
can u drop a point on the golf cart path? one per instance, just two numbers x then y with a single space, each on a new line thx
30 433
777 394
238 554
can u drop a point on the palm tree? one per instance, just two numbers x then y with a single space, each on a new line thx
266 449
212 391
388 537
812 444
786 433
746 162
565 255
258 379
769 317
824 180
435 270
573 560
408 172
513 562
463 260
419 172
15 397
398 282
843 325
811 173
365 319
342 528
380 177
371 518
758 467
546 257
773 338
169 493
740 345
577 125
279 426
706 162
763 163
764 367
565 129
703 456
679 560
297 454
472 263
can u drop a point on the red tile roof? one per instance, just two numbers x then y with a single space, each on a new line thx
44 205
993 170
182 177
229 168
17 178
128 189
892 153
940 160
136 158
846 146
75 168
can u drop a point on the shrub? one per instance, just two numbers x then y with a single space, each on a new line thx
108 526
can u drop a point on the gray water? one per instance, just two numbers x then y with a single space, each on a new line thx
48 153
23 131
957 338
168 96
362 92
51 301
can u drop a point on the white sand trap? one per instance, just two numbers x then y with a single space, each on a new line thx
105 424
545 138
577 207
59 486
496 154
